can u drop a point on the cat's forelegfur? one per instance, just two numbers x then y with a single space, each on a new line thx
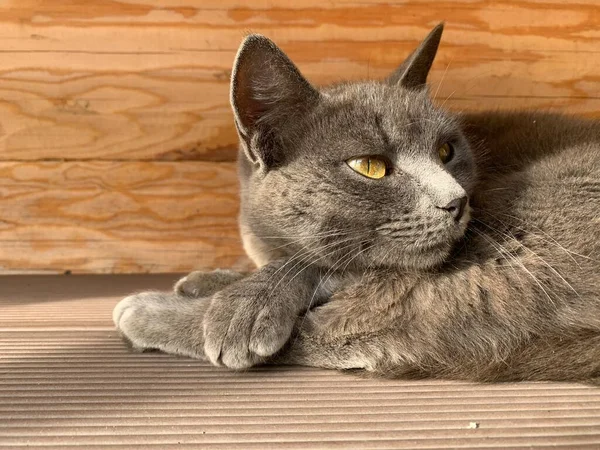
356 274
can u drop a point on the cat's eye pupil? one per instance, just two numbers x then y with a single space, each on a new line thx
369 166
446 152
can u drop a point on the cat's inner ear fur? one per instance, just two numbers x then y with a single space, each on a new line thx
412 73
267 90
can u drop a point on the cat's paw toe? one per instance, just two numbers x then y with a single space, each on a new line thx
187 286
229 350
237 357
227 346
270 332
227 329
204 284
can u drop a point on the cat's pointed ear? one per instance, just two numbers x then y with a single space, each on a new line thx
267 90
412 73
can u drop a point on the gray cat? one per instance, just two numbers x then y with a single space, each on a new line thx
394 237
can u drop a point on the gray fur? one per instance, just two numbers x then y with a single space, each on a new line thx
205 284
412 73
356 273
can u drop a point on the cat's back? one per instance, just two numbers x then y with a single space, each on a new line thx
537 205
544 167
506 142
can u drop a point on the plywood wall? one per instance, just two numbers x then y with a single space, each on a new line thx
116 138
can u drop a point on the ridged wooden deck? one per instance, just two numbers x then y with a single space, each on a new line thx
66 380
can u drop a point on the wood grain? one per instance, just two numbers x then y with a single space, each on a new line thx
143 79
102 216
116 134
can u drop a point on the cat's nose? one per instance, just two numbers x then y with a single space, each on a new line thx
456 207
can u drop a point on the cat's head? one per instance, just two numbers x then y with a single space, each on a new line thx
358 174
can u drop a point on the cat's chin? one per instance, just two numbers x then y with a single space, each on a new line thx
429 260
420 253
426 258
437 255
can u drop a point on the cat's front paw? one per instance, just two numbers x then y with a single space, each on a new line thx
242 328
161 321
133 319
204 284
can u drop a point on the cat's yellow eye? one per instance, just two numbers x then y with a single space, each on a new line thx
369 166
446 153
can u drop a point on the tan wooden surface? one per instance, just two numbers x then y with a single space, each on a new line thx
106 216
139 89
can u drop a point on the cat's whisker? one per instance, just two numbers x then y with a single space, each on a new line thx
303 251
314 237
366 248
522 246
318 259
504 254
442 80
529 249
556 272
308 235
321 282
301 256
393 247
334 268
468 89
301 238
311 253
495 190
519 263
550 240
298 258
536 279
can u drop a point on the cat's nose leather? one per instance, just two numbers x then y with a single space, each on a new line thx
456 207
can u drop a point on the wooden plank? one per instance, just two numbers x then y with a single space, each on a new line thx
148 80
105 217
100 98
